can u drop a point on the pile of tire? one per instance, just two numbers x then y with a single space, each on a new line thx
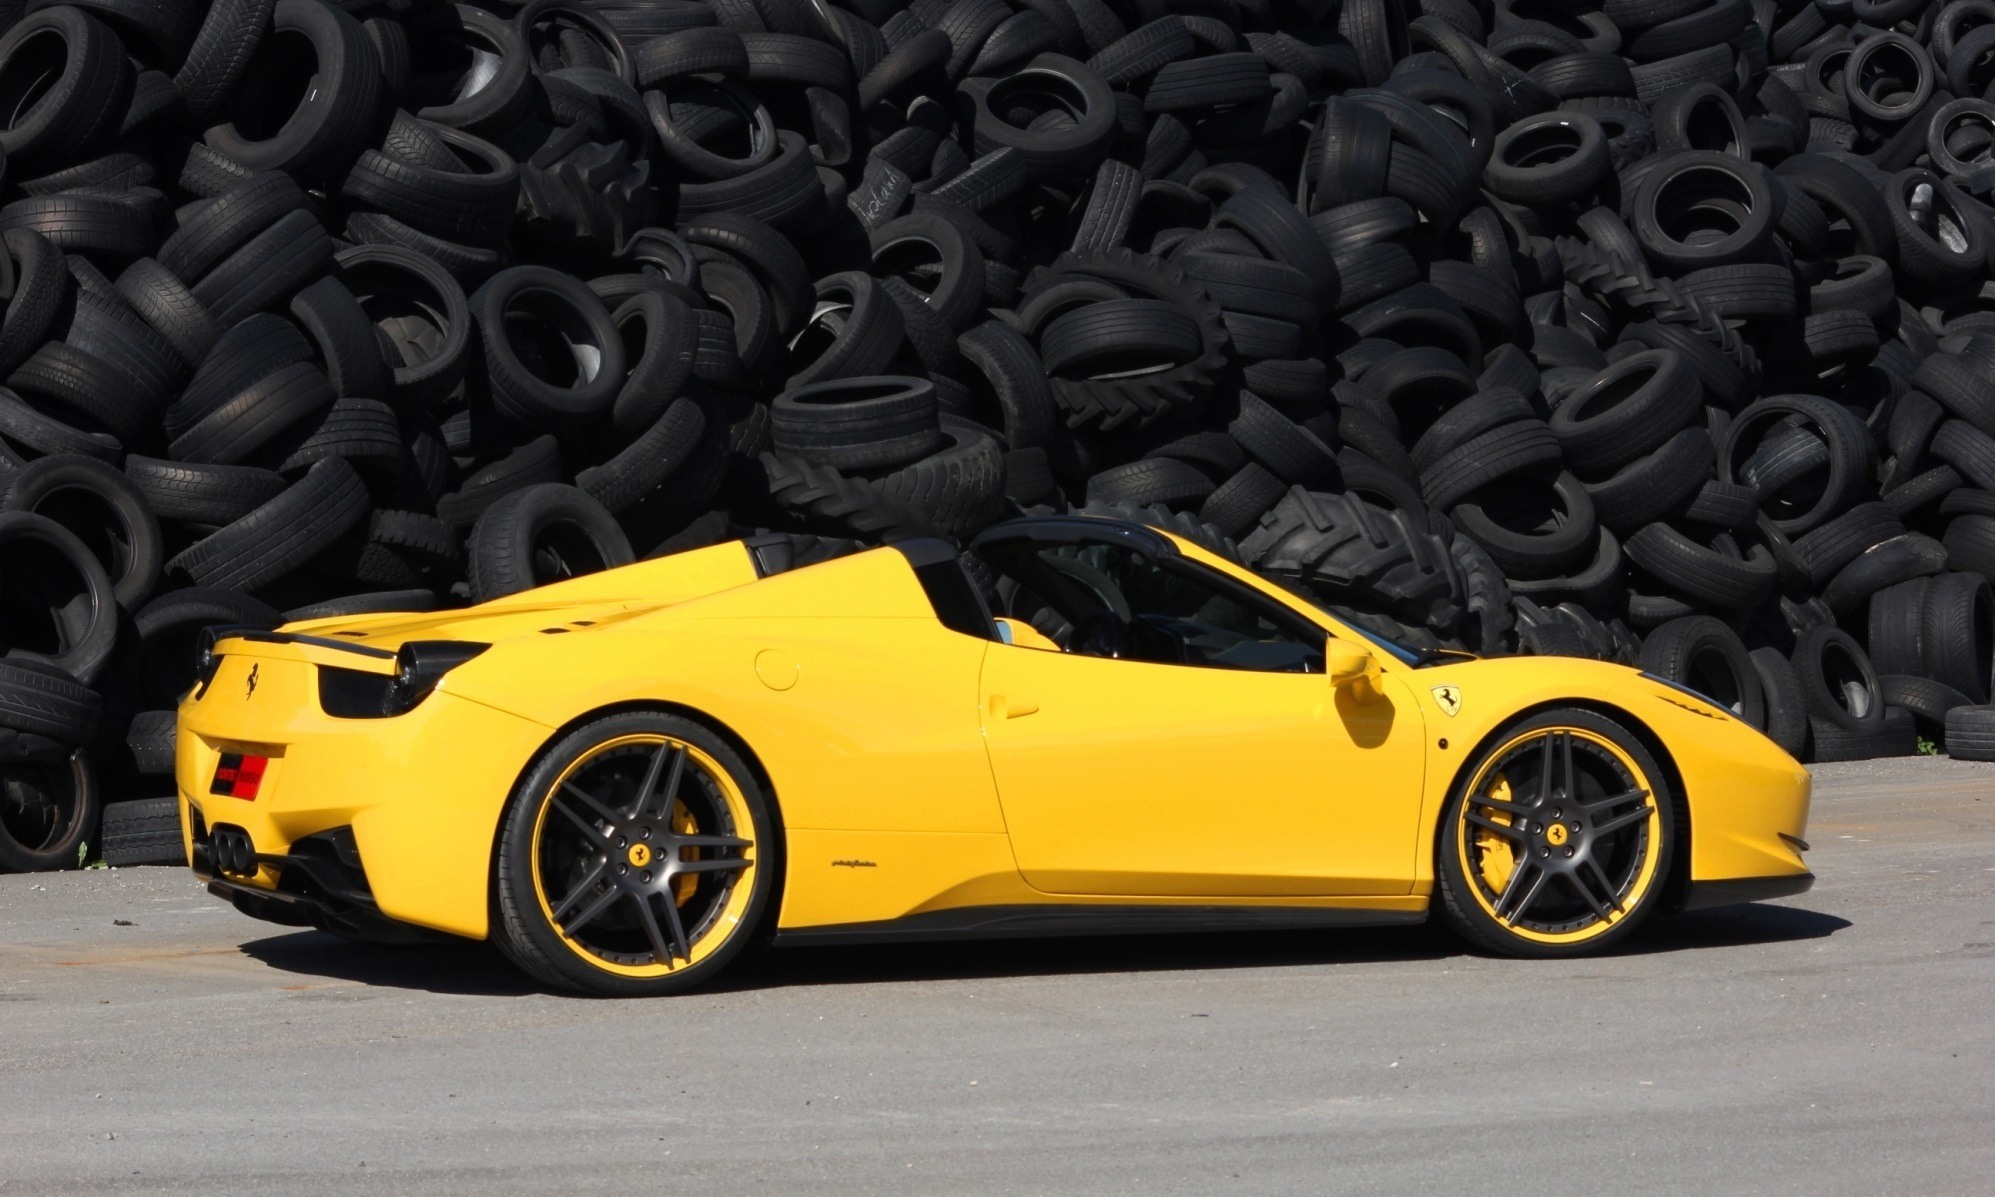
1659 331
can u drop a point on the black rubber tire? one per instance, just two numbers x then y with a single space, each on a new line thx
272 121
88 391
469 199
1838 685
1684 185
858 423
102 509
1896 734
280 537
1848 469
267 270
23 425
1957 634
1705 572
190 493
1833 545
58 606
61 110
1786 707
1164 481
1467 918
1887 563
228 37
1289 451
42 289
421 308
1927 699
565 309
1627 411
1707 656
1970 733
1923 256
143 831
953 285
1074 148
1532 531
64 789
541 534
1117 336
1005 367
521 931
1519 447
661 360
346 341
538 461
1550 158
661 451
221 226
1348 550
257 414
150 737
1658 484
165 303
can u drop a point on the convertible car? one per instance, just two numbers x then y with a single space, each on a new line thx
1079 726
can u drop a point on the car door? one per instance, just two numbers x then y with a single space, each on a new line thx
1207 754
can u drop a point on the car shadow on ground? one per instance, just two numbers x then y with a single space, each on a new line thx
473 969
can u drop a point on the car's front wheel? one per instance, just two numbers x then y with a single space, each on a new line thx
635 858
1558 838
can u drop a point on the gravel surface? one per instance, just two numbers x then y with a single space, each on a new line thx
1837 1042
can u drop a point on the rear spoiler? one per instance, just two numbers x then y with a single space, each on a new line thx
258 634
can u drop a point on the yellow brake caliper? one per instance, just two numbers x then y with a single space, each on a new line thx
683 823
1493 850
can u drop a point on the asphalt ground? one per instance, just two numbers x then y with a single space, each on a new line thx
153 1040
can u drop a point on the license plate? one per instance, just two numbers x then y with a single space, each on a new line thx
238 775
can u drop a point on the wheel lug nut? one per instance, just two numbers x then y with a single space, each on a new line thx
623 870
647 877
1568 851
622 843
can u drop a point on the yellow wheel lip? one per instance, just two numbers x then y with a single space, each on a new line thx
738 898
1652 855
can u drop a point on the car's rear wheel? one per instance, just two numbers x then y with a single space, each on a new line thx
636 858
1558 838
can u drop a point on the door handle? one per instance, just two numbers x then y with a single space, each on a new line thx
1010 708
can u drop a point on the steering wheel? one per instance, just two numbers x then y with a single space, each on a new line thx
1102 633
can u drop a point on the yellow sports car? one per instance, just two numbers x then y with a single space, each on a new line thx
1081 726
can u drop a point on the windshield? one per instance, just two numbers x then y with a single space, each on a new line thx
1416 657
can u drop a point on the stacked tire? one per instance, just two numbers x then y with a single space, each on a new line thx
1658 332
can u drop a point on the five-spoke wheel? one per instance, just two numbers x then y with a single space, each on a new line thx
1558 839
634 857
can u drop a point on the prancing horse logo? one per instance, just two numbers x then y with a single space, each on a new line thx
251 692
1449 698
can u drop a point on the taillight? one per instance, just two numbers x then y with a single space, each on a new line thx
239 775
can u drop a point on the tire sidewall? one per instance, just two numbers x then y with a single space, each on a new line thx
525 937
1467 917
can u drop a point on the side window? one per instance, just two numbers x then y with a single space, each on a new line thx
1108 600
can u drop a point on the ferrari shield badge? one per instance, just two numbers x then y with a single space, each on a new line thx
1450 698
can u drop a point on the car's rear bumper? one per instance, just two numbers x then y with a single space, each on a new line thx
1703 894
418 796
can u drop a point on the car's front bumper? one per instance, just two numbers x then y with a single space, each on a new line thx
420 796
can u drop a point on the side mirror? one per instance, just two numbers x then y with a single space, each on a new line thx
1352 666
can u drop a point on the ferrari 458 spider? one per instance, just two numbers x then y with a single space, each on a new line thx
1079 726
